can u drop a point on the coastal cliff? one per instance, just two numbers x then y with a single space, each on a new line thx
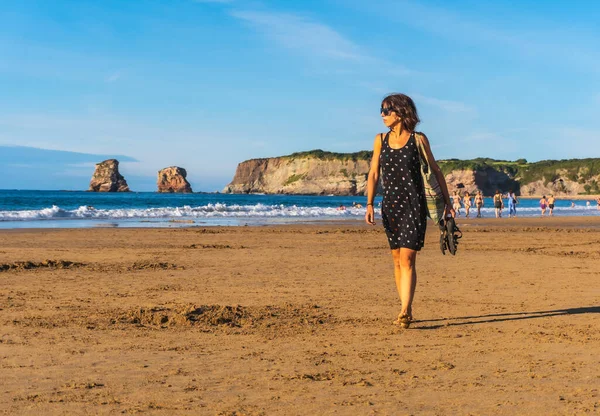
308 173
106 178
323 173
173 180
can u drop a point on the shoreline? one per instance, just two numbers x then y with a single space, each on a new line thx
488 220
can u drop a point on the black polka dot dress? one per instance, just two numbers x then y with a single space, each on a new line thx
403 210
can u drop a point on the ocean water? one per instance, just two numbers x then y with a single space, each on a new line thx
63 209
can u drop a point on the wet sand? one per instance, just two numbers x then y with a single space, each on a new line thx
297 320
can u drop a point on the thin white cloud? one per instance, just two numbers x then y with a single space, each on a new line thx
300 33
105 134
315 39
446 105
113 77
84 165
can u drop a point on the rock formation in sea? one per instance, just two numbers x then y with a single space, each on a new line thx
107 178
323 173
172 179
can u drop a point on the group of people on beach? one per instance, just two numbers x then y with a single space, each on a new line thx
467 202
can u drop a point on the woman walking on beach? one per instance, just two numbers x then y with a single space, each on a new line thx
543 205
456 203
479 203
467 204
404 210
512 204
498 204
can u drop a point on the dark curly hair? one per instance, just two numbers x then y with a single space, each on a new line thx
405 107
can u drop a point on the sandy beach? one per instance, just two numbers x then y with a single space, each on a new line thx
297 320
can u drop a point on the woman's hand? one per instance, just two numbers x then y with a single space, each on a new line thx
370 215
449 212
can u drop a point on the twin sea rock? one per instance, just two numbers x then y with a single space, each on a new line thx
107 178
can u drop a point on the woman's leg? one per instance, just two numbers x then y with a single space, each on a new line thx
405 274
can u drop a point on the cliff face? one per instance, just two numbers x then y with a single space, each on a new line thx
486 181
560 186
311 175
172 179
106 178
306 175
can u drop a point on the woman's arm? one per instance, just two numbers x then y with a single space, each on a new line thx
373 180
438 173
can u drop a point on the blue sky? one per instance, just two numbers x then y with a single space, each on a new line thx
206 84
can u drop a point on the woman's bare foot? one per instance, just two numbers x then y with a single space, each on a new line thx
404 320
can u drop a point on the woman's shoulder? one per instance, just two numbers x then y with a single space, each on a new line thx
378 141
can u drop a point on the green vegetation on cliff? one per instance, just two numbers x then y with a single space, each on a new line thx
294 178
510 168
323 155
576 170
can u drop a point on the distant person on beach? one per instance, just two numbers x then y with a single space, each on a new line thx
551 205
404 209
598 203
341 208
467 203
543 205
479 203
498 203
572 204
587 203
512 204
456 203
356 205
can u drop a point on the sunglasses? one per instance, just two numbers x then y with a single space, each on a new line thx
386 111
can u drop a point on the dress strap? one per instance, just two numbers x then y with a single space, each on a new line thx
384 139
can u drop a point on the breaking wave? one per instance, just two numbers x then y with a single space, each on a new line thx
221 210
186 211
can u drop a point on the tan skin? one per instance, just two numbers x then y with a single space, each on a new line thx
551 200
467 204
404 259
456 202
479 203
544 204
